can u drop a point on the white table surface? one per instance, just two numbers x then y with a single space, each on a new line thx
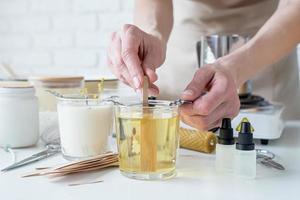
196 179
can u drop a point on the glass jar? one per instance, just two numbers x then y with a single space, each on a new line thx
19 115
147 139
62 85
84 125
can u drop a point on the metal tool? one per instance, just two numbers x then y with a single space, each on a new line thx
179 102
266 158
50 150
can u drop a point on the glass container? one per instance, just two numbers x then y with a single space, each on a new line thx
85 125
148 139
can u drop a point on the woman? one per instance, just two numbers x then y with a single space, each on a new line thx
141 48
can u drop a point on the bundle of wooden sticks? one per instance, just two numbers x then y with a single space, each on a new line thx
99 162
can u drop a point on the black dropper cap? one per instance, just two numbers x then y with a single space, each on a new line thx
245 138
226 133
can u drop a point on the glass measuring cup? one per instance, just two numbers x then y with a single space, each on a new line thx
147 139
84 124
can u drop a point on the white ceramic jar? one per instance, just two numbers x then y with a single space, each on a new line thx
19 115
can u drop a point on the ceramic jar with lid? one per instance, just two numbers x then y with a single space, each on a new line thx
19 115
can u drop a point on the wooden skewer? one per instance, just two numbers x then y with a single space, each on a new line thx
148 138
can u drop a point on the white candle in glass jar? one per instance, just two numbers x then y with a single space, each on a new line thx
84 126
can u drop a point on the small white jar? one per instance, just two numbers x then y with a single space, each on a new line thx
19 115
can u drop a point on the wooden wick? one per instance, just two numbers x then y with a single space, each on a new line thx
148 137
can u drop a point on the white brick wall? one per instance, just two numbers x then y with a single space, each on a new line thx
60 36
66 37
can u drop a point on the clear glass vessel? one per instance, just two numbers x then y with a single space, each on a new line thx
148 139
84 124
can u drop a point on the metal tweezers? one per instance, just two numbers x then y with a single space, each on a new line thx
50 150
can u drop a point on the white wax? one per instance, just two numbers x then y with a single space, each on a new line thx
84 130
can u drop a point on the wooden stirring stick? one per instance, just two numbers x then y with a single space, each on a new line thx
145 91
148 136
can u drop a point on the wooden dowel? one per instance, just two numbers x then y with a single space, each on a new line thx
148 137
145 91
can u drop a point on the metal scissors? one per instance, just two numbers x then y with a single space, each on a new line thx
51 149
265 157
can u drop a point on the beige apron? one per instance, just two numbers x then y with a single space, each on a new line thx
194 18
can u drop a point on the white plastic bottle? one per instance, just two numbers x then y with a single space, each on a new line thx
225 148
245 154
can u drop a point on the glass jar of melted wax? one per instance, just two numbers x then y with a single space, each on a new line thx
147 140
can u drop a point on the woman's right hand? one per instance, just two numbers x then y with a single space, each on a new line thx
133 53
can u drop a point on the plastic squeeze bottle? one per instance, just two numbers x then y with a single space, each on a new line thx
245 154
225 148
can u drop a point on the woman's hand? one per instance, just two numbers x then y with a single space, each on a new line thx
214 95
133 53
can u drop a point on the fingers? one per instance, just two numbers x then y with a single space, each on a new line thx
130 41
206 122
199 123
208 102
151 74
115 60
219 101
198 85
133 54
153 90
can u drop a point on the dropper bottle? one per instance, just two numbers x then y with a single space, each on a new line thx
225 148
245 154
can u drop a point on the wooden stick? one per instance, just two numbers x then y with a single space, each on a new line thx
145 91
148 137
96 163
